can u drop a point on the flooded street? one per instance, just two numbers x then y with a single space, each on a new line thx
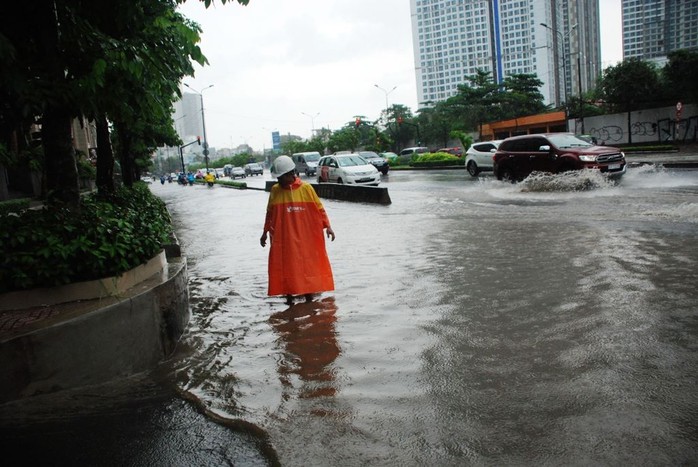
474 322
552 322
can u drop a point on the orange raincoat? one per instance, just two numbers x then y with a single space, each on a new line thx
298 262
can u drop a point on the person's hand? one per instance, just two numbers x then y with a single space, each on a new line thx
263 239
330 233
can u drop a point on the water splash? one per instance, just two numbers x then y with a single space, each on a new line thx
575 181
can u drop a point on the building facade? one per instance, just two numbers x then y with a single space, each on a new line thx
653 28
557 40
187 117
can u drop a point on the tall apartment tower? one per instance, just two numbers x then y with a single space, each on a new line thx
558 40
653 28
188 121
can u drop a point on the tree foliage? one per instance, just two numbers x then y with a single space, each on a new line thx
680 76
630 85
118 63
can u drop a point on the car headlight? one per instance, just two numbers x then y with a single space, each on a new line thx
587 158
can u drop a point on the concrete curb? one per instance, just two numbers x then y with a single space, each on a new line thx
360 194
89 290
94 341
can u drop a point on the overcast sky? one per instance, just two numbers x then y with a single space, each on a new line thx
291 65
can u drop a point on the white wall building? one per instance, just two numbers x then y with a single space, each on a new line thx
453 38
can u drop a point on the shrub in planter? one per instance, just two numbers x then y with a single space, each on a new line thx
57 246
437 159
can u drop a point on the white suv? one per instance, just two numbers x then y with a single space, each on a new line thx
478 157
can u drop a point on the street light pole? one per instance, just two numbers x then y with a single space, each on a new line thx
203 120
312 122
563 94
386 99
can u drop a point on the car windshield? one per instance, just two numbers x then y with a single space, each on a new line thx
350 161
312 157
568 141
369 154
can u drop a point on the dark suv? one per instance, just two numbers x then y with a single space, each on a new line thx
517 157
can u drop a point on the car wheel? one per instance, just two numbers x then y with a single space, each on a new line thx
339 180
507 176
473 169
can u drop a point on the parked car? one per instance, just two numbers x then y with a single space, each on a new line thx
351 169
254 168
378 162
478 157
236 172
413 151
389 156
519 156
456 151
306 162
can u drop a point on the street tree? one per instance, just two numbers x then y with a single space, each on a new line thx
436 123
476 101
520 96
630 85
56 60
680 76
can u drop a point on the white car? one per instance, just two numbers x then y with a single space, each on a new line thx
478 157
351 169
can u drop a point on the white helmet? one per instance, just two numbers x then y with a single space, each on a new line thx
283 165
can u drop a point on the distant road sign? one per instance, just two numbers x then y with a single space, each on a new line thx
206 152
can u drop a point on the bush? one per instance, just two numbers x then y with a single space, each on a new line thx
14 205
437 159
56 246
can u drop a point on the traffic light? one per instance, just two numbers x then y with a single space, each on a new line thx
357 122
198 140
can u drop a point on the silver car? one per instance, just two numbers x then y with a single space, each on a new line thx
478 157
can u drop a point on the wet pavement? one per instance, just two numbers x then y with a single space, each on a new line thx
474 322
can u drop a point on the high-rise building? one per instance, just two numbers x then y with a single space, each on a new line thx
187 117
653 28
557 40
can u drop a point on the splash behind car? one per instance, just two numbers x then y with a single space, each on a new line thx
351 169
517 157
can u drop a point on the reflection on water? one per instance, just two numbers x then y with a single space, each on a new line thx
307 336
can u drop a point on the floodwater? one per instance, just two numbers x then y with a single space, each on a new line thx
552 322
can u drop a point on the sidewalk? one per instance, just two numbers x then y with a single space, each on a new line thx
669 160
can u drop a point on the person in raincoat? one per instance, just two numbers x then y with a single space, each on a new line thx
210 179
295 220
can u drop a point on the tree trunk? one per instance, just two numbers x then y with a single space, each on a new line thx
125 158
105 158
61 168
61 175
